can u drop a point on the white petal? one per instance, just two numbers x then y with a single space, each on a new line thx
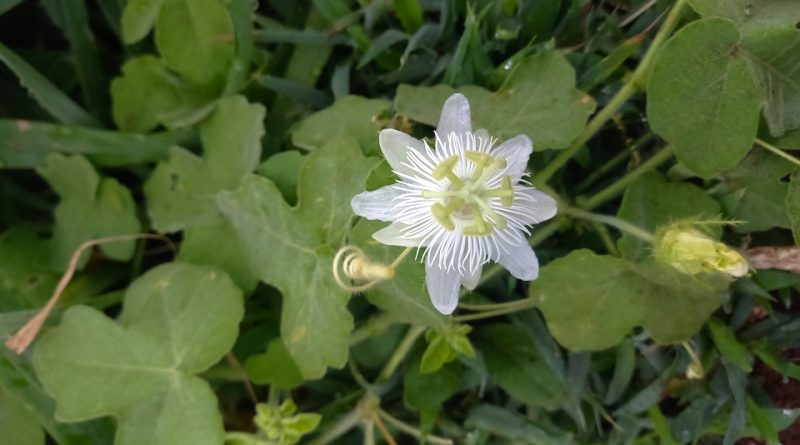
395 146
392 236
520 261
443 287
516 152
470 280
533 206
376 204
455 117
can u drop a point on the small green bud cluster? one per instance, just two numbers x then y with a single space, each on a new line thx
444 344
278 425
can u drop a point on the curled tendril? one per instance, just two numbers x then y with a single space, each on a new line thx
356 265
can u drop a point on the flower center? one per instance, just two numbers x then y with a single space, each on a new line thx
466 200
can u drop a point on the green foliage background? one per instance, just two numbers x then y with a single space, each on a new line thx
241 129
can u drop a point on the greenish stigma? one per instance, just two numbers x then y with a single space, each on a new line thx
466 199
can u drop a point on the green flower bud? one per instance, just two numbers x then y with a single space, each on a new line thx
692 252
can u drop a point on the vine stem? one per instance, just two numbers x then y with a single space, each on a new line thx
618 186
615 161
612 221
343 425
628 89
410 430
400 353
778 152
517 306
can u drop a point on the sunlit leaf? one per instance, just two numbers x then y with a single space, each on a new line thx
196 39
352 116
294 247
596 308
177 320
166 95
19 427
539 99
771 41
651 202
702 96
90 207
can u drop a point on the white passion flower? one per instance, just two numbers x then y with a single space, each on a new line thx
465 201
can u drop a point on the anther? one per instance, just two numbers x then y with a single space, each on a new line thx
480 160
442 216
496 219
480 228
445 170
505 186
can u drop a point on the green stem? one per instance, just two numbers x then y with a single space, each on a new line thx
778 152
619 99
342 426
614 162
373 327
612 221
408 429
605 236
488 306
618 186
274 396
400 353
521 305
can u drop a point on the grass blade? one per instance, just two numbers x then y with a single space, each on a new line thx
53 100
72 18
25 144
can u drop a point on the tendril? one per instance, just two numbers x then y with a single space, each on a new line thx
356 265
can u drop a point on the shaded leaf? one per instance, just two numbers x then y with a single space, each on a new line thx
513 425
25 282
283 169
729 346
759 193
274 367
429 390
514 363
793 205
